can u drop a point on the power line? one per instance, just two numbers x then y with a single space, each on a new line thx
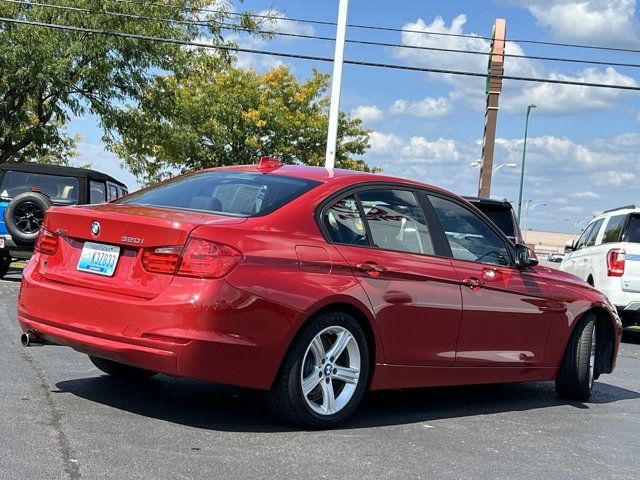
382 28
234 27
313 57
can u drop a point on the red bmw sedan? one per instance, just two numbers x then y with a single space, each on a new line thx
312 284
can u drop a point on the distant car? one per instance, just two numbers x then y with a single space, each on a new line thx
555 257
27 190
607 256
313 284
501 213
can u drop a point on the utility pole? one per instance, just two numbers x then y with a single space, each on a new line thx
494 87
336 83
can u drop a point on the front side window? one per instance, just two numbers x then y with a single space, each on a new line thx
593 235
613 232
585 236
469 237
97 192
238 193
344 224
395 221
61 190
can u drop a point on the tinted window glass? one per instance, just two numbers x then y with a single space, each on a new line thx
97 192
468 236
585 236
395 221
633 230
613 232
113 192
344 223
501 216
59 189
228 193
591 240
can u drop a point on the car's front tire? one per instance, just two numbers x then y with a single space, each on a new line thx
577 370
324 374
121 370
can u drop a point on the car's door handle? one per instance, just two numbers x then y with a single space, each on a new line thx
473 283
371 268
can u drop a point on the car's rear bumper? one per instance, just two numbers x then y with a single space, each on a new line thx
197 328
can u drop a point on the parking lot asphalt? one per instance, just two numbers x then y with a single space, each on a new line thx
61 418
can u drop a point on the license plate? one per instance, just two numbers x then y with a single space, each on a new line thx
99 258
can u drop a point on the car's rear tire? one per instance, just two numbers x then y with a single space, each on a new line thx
121 370
316 388
577 371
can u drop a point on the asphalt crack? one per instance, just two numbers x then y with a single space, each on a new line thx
71 469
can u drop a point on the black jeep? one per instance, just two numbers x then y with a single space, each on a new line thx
27 190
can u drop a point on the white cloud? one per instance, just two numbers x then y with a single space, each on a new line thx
614 178
554 99
566 99
600 22
585 194
425 108
367 113
384 143
279 22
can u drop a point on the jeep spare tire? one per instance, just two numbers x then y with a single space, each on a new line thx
24 216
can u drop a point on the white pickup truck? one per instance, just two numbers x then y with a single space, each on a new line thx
607 256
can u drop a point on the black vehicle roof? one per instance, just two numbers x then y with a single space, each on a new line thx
488 201
59 170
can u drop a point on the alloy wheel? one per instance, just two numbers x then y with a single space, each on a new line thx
592 356
330 370
29 217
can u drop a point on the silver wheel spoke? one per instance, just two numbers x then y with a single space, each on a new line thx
311 382
340 344
328 397
318 350
347 374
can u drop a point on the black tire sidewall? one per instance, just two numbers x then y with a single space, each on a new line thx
290 380
572 380
9 215
5 263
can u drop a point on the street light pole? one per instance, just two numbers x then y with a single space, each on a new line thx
528 206
336 83
524 153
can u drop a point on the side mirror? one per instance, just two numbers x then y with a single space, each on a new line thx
525 257
570 245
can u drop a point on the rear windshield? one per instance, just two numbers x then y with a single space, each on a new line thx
633 229
61 190
500 216
229 193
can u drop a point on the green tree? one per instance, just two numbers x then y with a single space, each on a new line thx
48 76
208 117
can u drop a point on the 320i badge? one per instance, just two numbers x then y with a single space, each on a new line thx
312 284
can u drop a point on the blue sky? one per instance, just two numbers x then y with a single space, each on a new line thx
584 143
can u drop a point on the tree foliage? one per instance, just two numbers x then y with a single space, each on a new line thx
207 117
48 76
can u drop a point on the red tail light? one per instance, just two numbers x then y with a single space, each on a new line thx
199 258
162 259
47 242
205 259
615 262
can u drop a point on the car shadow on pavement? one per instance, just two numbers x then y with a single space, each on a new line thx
223 408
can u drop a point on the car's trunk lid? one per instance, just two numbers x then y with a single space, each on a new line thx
131 228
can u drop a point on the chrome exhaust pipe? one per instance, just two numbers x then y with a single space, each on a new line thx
28 339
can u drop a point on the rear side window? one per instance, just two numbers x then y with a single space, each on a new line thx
97 192
344 224
60 189
633 230
242 194
613 231
395 220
